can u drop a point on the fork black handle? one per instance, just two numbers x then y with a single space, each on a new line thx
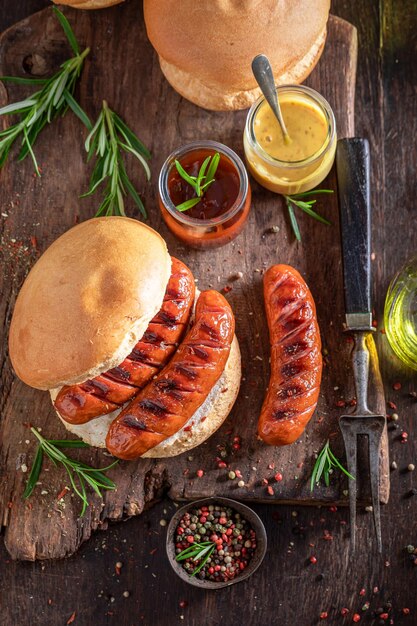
352 161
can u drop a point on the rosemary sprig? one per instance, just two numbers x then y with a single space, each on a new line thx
108 139
77 471
298 200
199 183
197 551
39 109
324 465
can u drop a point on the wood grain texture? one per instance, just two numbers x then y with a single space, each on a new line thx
286 590
40 208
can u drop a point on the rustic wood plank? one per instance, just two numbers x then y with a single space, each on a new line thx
27 535
37 593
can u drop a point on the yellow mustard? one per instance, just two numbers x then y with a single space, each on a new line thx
305 161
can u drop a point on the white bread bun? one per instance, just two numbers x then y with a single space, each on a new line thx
214 410
89 4
206 48
87 301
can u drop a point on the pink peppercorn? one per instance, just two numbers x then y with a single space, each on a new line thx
406 611
270 490
190 539
396 386
203 519
362 592
313 560
344 612
222 520
324 615
200 473
356 617
278 477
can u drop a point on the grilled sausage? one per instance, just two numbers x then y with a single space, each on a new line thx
164 406
78 404
296 361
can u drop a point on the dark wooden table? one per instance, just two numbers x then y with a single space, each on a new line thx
288 590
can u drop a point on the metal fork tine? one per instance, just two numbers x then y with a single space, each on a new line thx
350 440
374 441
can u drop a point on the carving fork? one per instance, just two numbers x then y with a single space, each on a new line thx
352 162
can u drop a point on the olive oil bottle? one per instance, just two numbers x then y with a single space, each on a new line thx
400 313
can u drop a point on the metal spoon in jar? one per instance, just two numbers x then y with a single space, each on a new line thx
262 71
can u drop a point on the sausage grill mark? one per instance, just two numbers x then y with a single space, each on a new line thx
295 348
289 392
290 369
167 319
282 415
151 406
210 330
118 373
133 422
96 387
200 352
188 372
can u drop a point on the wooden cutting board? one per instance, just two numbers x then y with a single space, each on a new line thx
123 69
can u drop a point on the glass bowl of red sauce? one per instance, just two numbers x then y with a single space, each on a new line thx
221 214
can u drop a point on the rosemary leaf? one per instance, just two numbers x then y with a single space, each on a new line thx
307 208
19 80
314 192
34 473
201 173
67 30
16 107
212 169
75 108
191 180
294 222
188 204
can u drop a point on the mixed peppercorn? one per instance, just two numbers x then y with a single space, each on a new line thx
224 543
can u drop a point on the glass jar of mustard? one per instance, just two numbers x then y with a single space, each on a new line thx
400 313
301 164
223 210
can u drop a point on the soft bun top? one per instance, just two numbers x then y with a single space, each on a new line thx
216 40
87 301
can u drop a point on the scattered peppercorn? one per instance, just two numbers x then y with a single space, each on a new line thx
200 473
411 467
356 617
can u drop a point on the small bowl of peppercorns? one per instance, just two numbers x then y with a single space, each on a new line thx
215 542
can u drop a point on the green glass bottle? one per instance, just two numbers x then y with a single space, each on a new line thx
400 313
